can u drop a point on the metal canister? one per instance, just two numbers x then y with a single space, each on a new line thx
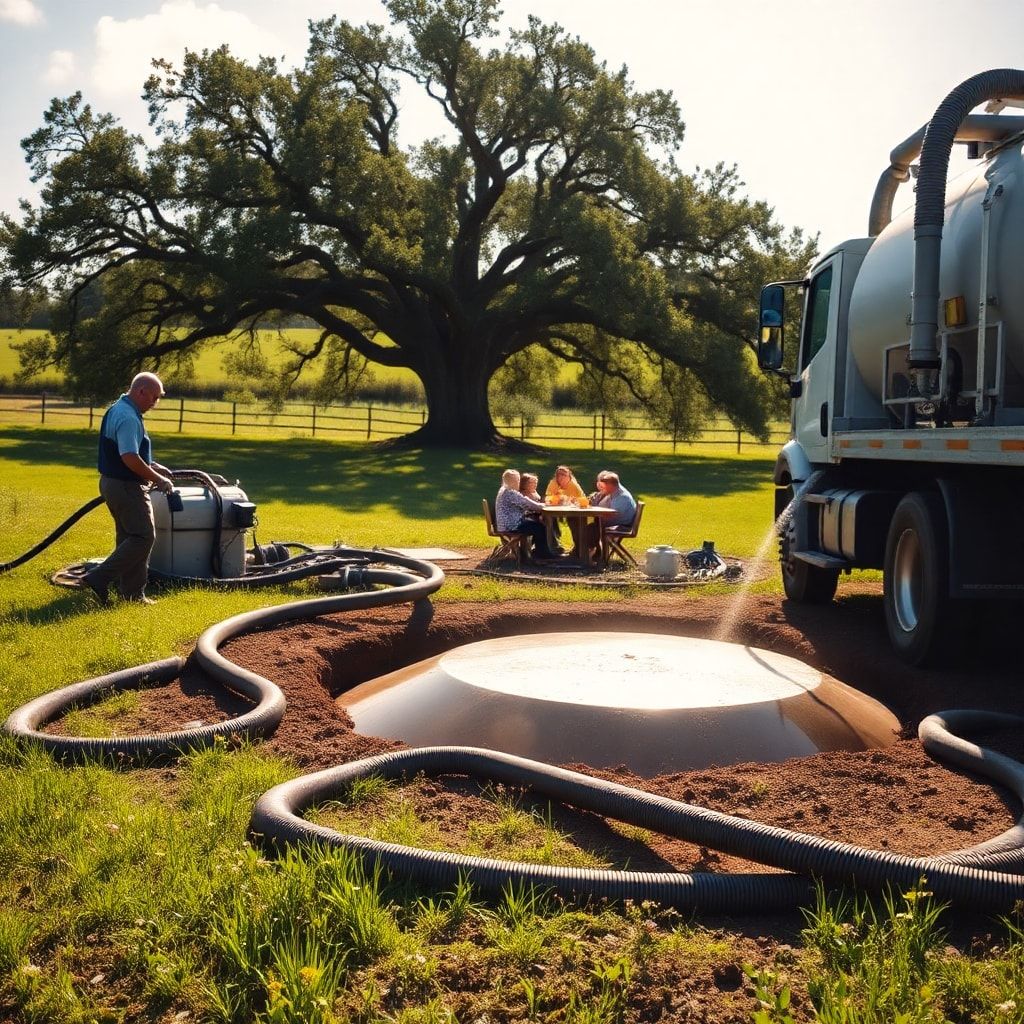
662 562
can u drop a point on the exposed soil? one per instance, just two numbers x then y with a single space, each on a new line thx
896 798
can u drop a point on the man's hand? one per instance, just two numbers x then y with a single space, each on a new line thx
162 483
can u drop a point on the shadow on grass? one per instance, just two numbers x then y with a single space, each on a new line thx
66 604
423 484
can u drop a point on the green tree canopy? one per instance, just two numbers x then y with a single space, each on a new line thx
551 214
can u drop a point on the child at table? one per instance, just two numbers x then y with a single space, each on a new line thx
528 486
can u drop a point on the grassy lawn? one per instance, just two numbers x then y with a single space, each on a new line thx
134 896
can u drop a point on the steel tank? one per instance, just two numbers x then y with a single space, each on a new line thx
880 304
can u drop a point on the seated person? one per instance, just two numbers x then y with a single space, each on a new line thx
564 489
512 513
528 485
611 494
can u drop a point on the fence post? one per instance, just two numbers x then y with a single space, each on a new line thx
522 427
423 417
234 411
739 441
90 414
593 439
314 419
602 431
42 408
181 415
369 421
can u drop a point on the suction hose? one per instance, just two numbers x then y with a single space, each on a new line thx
25 723
929 210
47 541
276 822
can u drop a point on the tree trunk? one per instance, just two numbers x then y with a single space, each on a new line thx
458 413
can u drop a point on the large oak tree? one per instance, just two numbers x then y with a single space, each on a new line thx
550 214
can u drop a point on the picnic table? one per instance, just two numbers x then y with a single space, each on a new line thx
578 518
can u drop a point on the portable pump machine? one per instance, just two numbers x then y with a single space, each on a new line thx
200 528
201 537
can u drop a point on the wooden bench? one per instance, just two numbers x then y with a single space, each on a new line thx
510 545
615 535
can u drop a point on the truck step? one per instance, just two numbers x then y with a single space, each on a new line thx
821 560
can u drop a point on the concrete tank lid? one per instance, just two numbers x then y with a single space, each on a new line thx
654 703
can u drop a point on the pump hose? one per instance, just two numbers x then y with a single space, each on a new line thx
25 723
261 576
276 823
47 541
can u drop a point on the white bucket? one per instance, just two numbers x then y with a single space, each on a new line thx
662 562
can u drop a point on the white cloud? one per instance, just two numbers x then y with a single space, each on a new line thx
125 49
60 68
21 12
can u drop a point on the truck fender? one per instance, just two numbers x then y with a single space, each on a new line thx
792 465
792 469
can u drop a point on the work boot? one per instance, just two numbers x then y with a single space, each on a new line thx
98 591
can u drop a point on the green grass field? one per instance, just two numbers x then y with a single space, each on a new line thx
209 361
134 896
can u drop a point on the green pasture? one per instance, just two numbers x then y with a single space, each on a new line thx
134 896
209 368
209 357
317 492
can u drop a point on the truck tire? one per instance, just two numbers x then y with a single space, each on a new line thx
804 583
916 581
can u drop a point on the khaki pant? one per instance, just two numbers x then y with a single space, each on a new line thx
127 567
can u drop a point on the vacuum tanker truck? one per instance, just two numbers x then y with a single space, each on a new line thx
907 385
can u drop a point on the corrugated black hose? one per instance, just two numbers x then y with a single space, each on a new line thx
47 541
26 722
277 822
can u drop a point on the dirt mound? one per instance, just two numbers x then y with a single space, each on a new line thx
896 799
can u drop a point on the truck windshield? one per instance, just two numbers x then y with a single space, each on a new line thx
816 324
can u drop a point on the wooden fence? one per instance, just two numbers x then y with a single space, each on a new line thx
375 423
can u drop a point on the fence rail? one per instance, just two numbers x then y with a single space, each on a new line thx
376 423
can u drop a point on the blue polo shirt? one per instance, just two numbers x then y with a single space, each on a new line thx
121 432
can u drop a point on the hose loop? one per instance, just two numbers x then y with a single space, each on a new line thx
975 878
419 580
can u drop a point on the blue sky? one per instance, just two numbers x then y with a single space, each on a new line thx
806 96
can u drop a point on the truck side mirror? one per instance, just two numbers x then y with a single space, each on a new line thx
771 343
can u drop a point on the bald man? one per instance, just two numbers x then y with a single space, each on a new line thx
127 472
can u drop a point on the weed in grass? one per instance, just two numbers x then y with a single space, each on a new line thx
438 919
609 996
366 788
358 918
878 967
644 939
773 997
302 983
432 1012
404 827
16 929
517 929
965 989
50 996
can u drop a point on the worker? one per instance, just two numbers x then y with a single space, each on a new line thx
127 472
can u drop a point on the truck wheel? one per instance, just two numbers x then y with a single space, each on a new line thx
916 581
804 583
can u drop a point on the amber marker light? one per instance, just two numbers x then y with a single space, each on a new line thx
956 311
